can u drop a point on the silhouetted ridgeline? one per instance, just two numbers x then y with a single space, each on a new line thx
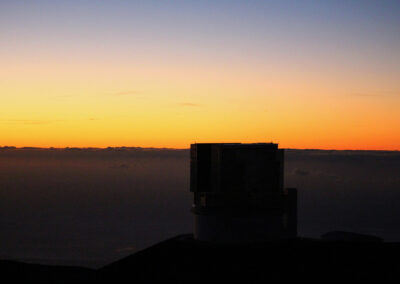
182 260
27 152
19 272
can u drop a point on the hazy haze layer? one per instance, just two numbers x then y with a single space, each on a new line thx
90 207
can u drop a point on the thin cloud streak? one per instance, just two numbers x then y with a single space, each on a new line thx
189 105
377 94
28 121
126 93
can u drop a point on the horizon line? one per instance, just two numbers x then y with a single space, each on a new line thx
7 147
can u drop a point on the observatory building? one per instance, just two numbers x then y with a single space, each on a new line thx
239 194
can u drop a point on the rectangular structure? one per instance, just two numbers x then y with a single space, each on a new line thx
236 183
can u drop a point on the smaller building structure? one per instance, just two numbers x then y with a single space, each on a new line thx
239 194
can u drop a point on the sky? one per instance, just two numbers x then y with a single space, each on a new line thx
304 74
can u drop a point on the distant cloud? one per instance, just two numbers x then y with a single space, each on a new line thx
120 166
329 176
375 94
300 172
189 104
126 93
28 121
364 95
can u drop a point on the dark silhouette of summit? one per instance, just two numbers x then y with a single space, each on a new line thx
184 260
20 272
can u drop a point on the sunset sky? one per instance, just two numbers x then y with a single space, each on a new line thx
304 74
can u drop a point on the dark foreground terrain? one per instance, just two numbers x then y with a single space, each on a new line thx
182 260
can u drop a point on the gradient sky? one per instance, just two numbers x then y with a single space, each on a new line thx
305 74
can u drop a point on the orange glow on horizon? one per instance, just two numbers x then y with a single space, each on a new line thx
86 111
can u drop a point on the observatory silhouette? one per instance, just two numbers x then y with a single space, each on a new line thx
239 194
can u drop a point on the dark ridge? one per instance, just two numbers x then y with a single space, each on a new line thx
20 272
93 152
350 236
183 260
